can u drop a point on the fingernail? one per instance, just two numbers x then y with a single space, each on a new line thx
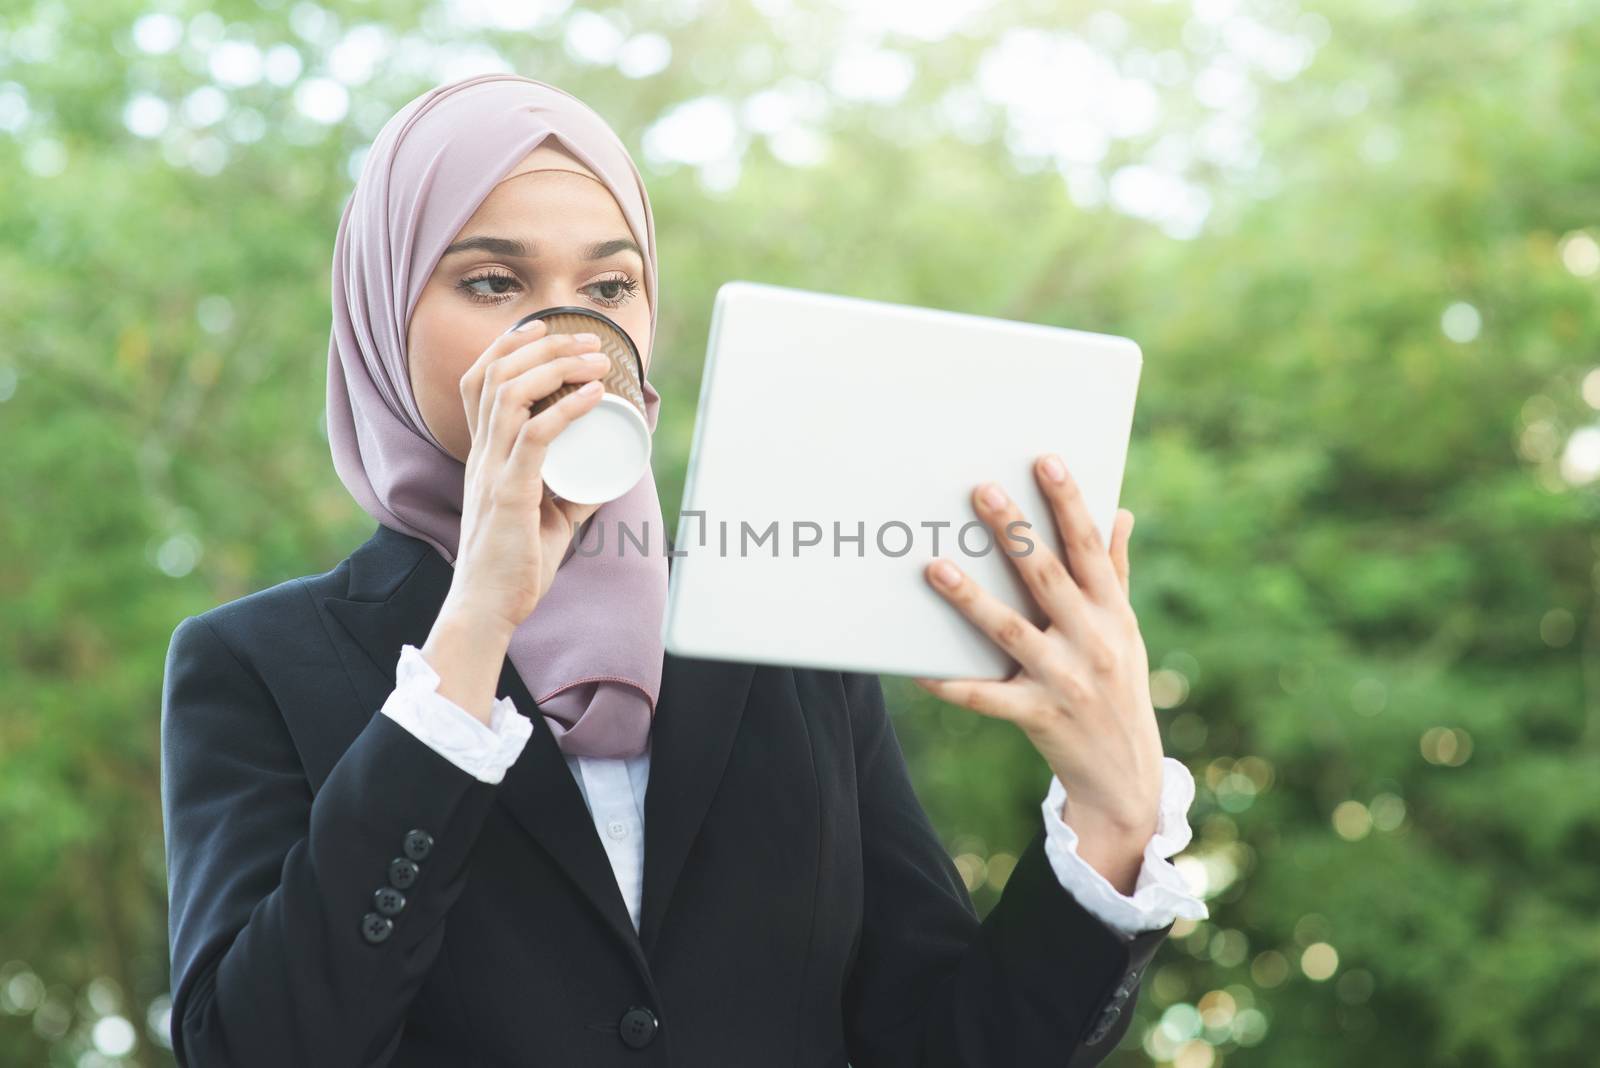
945 573
590 338
588 388
993 496
595 356
1053 469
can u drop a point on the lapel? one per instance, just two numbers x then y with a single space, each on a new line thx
397 585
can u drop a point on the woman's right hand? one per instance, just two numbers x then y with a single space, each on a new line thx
513 534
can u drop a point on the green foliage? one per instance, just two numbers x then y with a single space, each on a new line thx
1366 587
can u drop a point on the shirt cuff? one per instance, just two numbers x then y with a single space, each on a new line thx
483 751
1160 895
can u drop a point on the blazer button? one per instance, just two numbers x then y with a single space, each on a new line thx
418 844
402 873
375 928
638 1027
388 900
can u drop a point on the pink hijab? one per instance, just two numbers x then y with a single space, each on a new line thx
591 653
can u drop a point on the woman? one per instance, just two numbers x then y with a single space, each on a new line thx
461 878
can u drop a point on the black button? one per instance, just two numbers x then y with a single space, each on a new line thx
402 873
1102 1026
375 928
638 1027
388 900
418 844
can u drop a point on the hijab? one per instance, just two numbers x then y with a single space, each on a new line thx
591 651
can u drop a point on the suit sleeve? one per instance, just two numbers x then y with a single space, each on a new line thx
484 750
301 926
1040 980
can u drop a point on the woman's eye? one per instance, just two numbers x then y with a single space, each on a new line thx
613 291
496 288
487 287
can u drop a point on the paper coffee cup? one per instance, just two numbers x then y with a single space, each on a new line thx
604 452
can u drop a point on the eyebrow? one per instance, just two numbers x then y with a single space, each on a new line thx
511 246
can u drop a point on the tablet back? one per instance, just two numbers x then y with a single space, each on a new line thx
835 450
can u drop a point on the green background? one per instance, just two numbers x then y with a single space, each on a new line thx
1356 241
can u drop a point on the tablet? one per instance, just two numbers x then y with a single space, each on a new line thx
836 446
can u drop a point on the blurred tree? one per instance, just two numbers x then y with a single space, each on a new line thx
1358 243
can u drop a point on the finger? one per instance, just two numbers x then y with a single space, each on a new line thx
508 356
533 438
520 357
574 513
1046 577
1004 625
472 381
509 408
1086 551
577 513
1120 532
998 700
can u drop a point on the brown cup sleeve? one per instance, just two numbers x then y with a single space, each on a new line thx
621 378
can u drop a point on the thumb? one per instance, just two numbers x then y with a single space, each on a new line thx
1120 533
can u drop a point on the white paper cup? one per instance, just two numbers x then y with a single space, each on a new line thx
604 452
600 455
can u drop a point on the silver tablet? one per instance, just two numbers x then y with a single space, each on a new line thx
835 450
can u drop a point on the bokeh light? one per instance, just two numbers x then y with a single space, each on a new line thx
1319 961
1446 746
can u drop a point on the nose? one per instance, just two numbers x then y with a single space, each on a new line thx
552 293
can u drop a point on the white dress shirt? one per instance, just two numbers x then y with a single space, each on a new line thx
614 789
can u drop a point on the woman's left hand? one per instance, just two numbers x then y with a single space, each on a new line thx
1082 694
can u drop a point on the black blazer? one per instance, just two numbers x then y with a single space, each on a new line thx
798 907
